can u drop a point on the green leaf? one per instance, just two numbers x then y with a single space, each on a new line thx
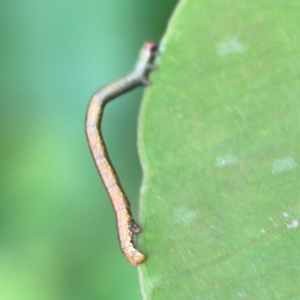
219 140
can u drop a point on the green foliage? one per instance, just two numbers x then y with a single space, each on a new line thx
219 143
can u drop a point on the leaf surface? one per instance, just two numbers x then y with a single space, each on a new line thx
219 142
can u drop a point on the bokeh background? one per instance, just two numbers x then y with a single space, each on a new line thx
57 230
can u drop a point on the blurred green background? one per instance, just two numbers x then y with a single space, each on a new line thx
57 230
